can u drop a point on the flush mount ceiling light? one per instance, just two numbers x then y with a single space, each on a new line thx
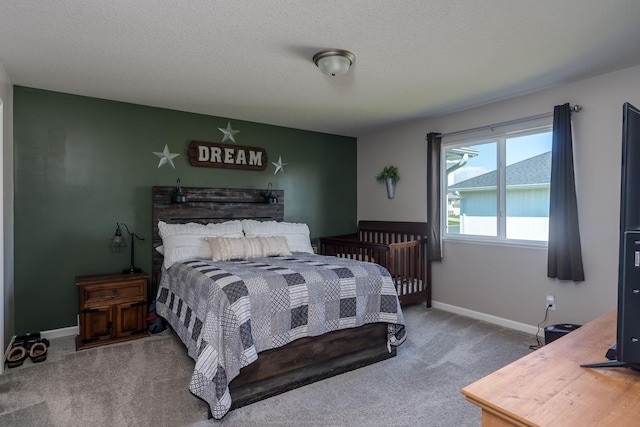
334 62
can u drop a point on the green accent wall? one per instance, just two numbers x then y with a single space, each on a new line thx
82 164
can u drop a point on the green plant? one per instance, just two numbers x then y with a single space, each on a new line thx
389 172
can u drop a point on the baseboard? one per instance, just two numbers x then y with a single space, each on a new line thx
58 333
500 321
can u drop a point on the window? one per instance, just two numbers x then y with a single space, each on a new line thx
497 188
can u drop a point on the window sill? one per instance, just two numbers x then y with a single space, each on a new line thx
492 242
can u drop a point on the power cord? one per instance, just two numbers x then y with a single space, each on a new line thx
539 344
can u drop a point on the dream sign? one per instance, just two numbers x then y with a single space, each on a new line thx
230 156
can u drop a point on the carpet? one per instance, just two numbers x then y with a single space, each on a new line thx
145 383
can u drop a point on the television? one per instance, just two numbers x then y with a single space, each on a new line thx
626 351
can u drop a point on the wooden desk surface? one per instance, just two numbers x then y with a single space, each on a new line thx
549 388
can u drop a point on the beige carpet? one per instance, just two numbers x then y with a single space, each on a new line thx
145 383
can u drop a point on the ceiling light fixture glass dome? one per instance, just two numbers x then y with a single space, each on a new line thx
334 62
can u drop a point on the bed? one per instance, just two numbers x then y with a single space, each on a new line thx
243 353
400 247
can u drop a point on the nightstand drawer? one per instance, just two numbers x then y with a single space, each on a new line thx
115 293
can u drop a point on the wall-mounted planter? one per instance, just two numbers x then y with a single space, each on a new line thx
391 188
390 176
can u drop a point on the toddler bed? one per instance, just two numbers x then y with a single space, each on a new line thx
400 247
321 317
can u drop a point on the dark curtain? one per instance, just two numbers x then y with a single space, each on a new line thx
564 253
434 143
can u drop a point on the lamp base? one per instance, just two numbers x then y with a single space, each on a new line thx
132 270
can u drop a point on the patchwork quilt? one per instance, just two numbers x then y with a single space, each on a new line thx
227 312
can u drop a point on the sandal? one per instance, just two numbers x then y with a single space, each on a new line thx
38 351
27 340
16 356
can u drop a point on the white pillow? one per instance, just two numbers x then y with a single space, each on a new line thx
297 235
186 241
228 248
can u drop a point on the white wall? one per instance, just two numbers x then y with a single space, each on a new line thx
6 207
505 281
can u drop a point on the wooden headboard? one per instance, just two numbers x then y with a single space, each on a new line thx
209 205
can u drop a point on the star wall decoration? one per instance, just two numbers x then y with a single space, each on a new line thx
166 156
229 133
279 165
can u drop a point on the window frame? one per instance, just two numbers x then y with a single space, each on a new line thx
499 138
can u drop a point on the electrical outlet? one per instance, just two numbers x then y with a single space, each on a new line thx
551 302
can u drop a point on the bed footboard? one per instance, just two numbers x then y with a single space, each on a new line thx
310 359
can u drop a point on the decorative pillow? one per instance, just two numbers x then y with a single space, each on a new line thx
273 245
297 235
228 248
186 241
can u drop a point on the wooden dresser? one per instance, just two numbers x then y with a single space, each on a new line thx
113 308
549 388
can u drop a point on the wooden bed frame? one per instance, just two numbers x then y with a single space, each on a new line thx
298 363
400 247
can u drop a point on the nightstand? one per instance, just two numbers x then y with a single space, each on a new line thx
113 308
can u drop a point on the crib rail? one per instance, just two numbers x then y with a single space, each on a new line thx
400 247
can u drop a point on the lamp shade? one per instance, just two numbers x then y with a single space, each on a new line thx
118 243
334 62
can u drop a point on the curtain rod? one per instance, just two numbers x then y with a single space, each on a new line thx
573 109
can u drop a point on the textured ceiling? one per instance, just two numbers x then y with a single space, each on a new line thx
251 60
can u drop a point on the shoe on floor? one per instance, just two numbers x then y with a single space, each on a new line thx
38 351
16 356
26 340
